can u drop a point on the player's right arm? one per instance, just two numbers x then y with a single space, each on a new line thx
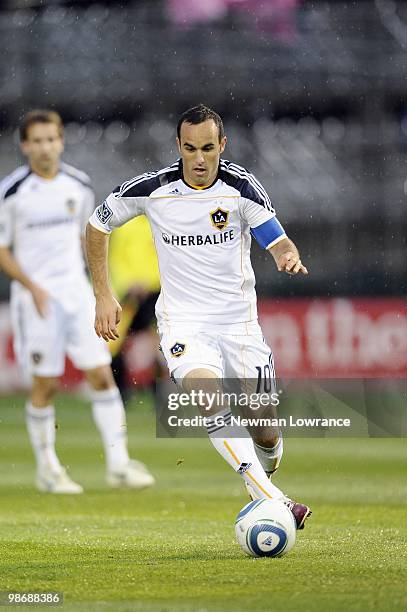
10 267
8 263
108 309
117 209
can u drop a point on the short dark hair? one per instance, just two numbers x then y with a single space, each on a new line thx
199 114
40 116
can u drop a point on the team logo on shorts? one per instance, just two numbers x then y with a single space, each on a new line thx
36 358
219 218
103 212
70 204
178 349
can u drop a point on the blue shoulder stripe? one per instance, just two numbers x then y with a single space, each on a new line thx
76 174
14 186
245 182
144 184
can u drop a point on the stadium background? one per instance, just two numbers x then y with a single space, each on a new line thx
314 100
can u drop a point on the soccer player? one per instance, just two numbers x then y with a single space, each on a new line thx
203 211
44 207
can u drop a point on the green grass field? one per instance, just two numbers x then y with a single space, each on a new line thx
173 548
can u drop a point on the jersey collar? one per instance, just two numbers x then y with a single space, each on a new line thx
196 188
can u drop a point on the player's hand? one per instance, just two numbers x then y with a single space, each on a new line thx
291 263
40 297
108 314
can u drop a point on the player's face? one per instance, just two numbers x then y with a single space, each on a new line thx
43 147
200 150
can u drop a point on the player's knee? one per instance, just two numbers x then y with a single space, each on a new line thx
200 372
100 379
200 379
265 438
43 390
208 384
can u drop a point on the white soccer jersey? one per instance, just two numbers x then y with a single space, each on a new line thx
202 237
43 220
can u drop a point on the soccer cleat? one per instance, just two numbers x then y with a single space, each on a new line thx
57 482
133 475
300 512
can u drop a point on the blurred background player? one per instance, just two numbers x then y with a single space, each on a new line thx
135 279
44 207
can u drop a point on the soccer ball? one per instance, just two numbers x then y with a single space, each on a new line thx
265 528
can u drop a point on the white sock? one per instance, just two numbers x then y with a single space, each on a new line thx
110 418
240 454
41 431
270 458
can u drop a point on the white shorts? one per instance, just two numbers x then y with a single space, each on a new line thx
228 356
41 344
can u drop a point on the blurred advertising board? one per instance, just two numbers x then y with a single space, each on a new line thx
344 338
310 338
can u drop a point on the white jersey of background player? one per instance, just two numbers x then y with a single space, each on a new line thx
203 211
43 210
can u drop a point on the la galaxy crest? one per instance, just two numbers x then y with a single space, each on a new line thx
178 349
219 218
70 204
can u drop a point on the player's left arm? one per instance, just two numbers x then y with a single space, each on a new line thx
257 211
287 257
